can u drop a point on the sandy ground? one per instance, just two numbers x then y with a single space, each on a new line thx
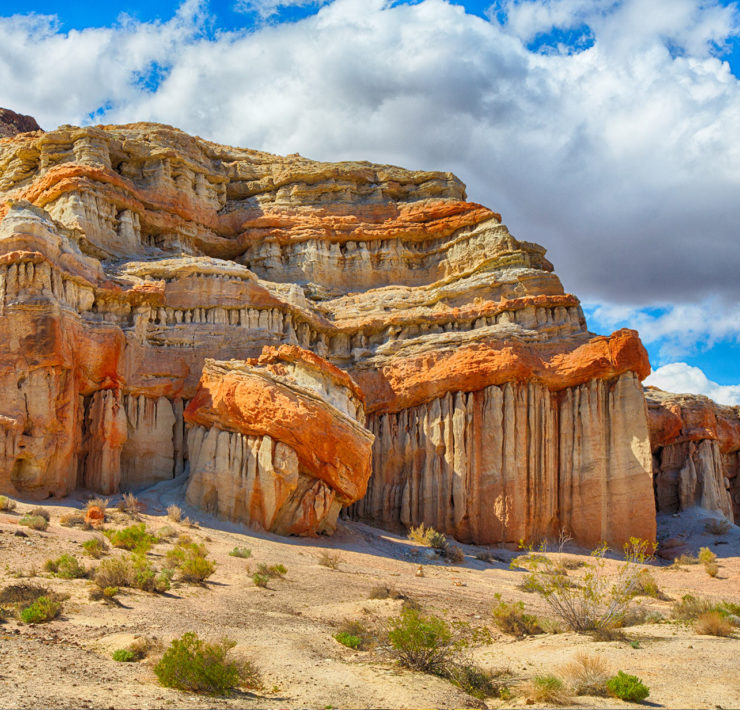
287 629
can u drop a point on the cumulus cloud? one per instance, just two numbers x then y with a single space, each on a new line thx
621 158
682 378
268 8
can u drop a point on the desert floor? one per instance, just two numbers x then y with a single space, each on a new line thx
287 629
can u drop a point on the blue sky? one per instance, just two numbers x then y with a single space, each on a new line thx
606 130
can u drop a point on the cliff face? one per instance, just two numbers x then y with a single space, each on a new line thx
696 453
12 123
129 255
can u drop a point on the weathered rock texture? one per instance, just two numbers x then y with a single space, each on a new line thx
129 255
696 453
12 123
278 441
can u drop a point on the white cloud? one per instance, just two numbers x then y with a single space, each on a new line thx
267 8
682 378
621 159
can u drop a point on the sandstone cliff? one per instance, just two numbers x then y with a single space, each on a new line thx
696 453
130 255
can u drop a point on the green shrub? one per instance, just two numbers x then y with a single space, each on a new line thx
134 538
511 619
6 504
123 655
260 580
348 640
40 512
278 570
190 559
627 687
429 537
689 608
646 586
95 547
706 556
35 522
43 609
244 552
548 689
420 642
134 571
66 566
200 667
711 568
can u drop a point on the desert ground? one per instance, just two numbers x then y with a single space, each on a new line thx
287 628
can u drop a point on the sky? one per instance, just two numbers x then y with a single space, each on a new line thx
606 130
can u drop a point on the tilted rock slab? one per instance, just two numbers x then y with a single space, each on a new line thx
278 441
696 453
130 255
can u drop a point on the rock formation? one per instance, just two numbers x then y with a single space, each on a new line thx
696 453
278 440
130 256
12 123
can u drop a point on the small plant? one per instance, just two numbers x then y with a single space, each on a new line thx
685 560
66 566
200 667
717 527
134 538
627 687
244 552
260 580
713 623
95 547
646 586
35 522
422 643
706 556
548 689
272 571
635 644
130 504
454 554
429 537
689 608
587 674
123 655
511 619
332 560
6 504
42 610
348 640
40 512
23 593
711 568
99 503
174 513
75 519
114 572
190 559
382 592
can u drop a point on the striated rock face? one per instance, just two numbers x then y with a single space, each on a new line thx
696 453
132 255
278 441
12 123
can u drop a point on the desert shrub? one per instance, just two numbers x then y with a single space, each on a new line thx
174 513
114 572
713 623
685 560
66 566
383 592
101 503
511 619
272 571
332 560
200 667
95 547
689 608
706 556
548 689
74 519
191 561
130 504
6 504
627 687
587 674
23 593
711 568
35 522
123 655
134 538
717 527
43 609
260 580
479 683
107 594
166 533
40 512
347 639
134 571
420 642
729 608
454 554
646 586
429 537
244 552
600 600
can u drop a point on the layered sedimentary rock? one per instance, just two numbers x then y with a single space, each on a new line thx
12 123
278 441
696 453
130 255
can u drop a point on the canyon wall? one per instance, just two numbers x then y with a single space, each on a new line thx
696 453
132 255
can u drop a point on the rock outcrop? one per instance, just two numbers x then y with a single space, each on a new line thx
12 123
131 255
278 441
696 453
